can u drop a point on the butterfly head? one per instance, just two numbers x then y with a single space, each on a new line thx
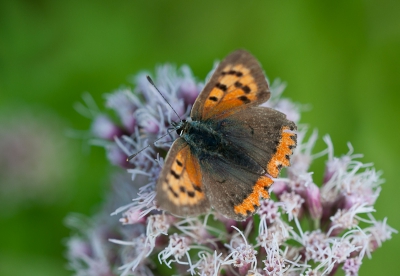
180 126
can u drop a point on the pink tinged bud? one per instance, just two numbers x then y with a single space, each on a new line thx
279 187
129 123
151 127
243 256
313 201
179 108
350 200
244 269
329 171
361 196
299 183
335 165
177 247
189 91
227 222
269 210
373 245
315 245
379 233
351 266
132 216
78 248
103 127
157 224
125 104
293 204
290 109
274 264
117 157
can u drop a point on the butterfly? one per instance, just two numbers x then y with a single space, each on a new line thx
228 153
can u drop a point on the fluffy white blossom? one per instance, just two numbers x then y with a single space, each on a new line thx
310 227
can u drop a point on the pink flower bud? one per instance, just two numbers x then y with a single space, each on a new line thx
189 91
151 127
103 127
117 157
279 187
313 201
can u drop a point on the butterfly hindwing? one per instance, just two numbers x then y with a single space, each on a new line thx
179 187
238 82
264 134
261 134
233 191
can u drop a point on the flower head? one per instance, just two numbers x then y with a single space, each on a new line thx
311 228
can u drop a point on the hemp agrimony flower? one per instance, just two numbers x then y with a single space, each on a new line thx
309 227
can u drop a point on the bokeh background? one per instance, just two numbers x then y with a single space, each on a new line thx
342 58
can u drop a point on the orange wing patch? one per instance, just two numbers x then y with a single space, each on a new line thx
182 184
251 202
235 87
285 149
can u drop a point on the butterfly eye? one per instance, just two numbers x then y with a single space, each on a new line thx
179 126
179 131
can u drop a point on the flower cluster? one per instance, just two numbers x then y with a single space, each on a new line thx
308 228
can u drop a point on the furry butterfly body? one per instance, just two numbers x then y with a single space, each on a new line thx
227 154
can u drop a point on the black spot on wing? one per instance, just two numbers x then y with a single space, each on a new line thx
177 176
246 89
230 72
238 84
214 99
172 191
197 188
244 99
191 194
221 86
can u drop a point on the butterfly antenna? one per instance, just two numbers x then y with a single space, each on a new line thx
152 83
133 155
168 132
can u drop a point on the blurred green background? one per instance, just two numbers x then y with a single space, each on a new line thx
342 58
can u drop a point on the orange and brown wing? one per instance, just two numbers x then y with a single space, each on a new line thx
179 187
260 134
263 134
233 191
237 83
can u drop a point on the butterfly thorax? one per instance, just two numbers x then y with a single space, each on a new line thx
203 138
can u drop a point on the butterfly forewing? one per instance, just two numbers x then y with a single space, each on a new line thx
237 83
263 134
179 188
